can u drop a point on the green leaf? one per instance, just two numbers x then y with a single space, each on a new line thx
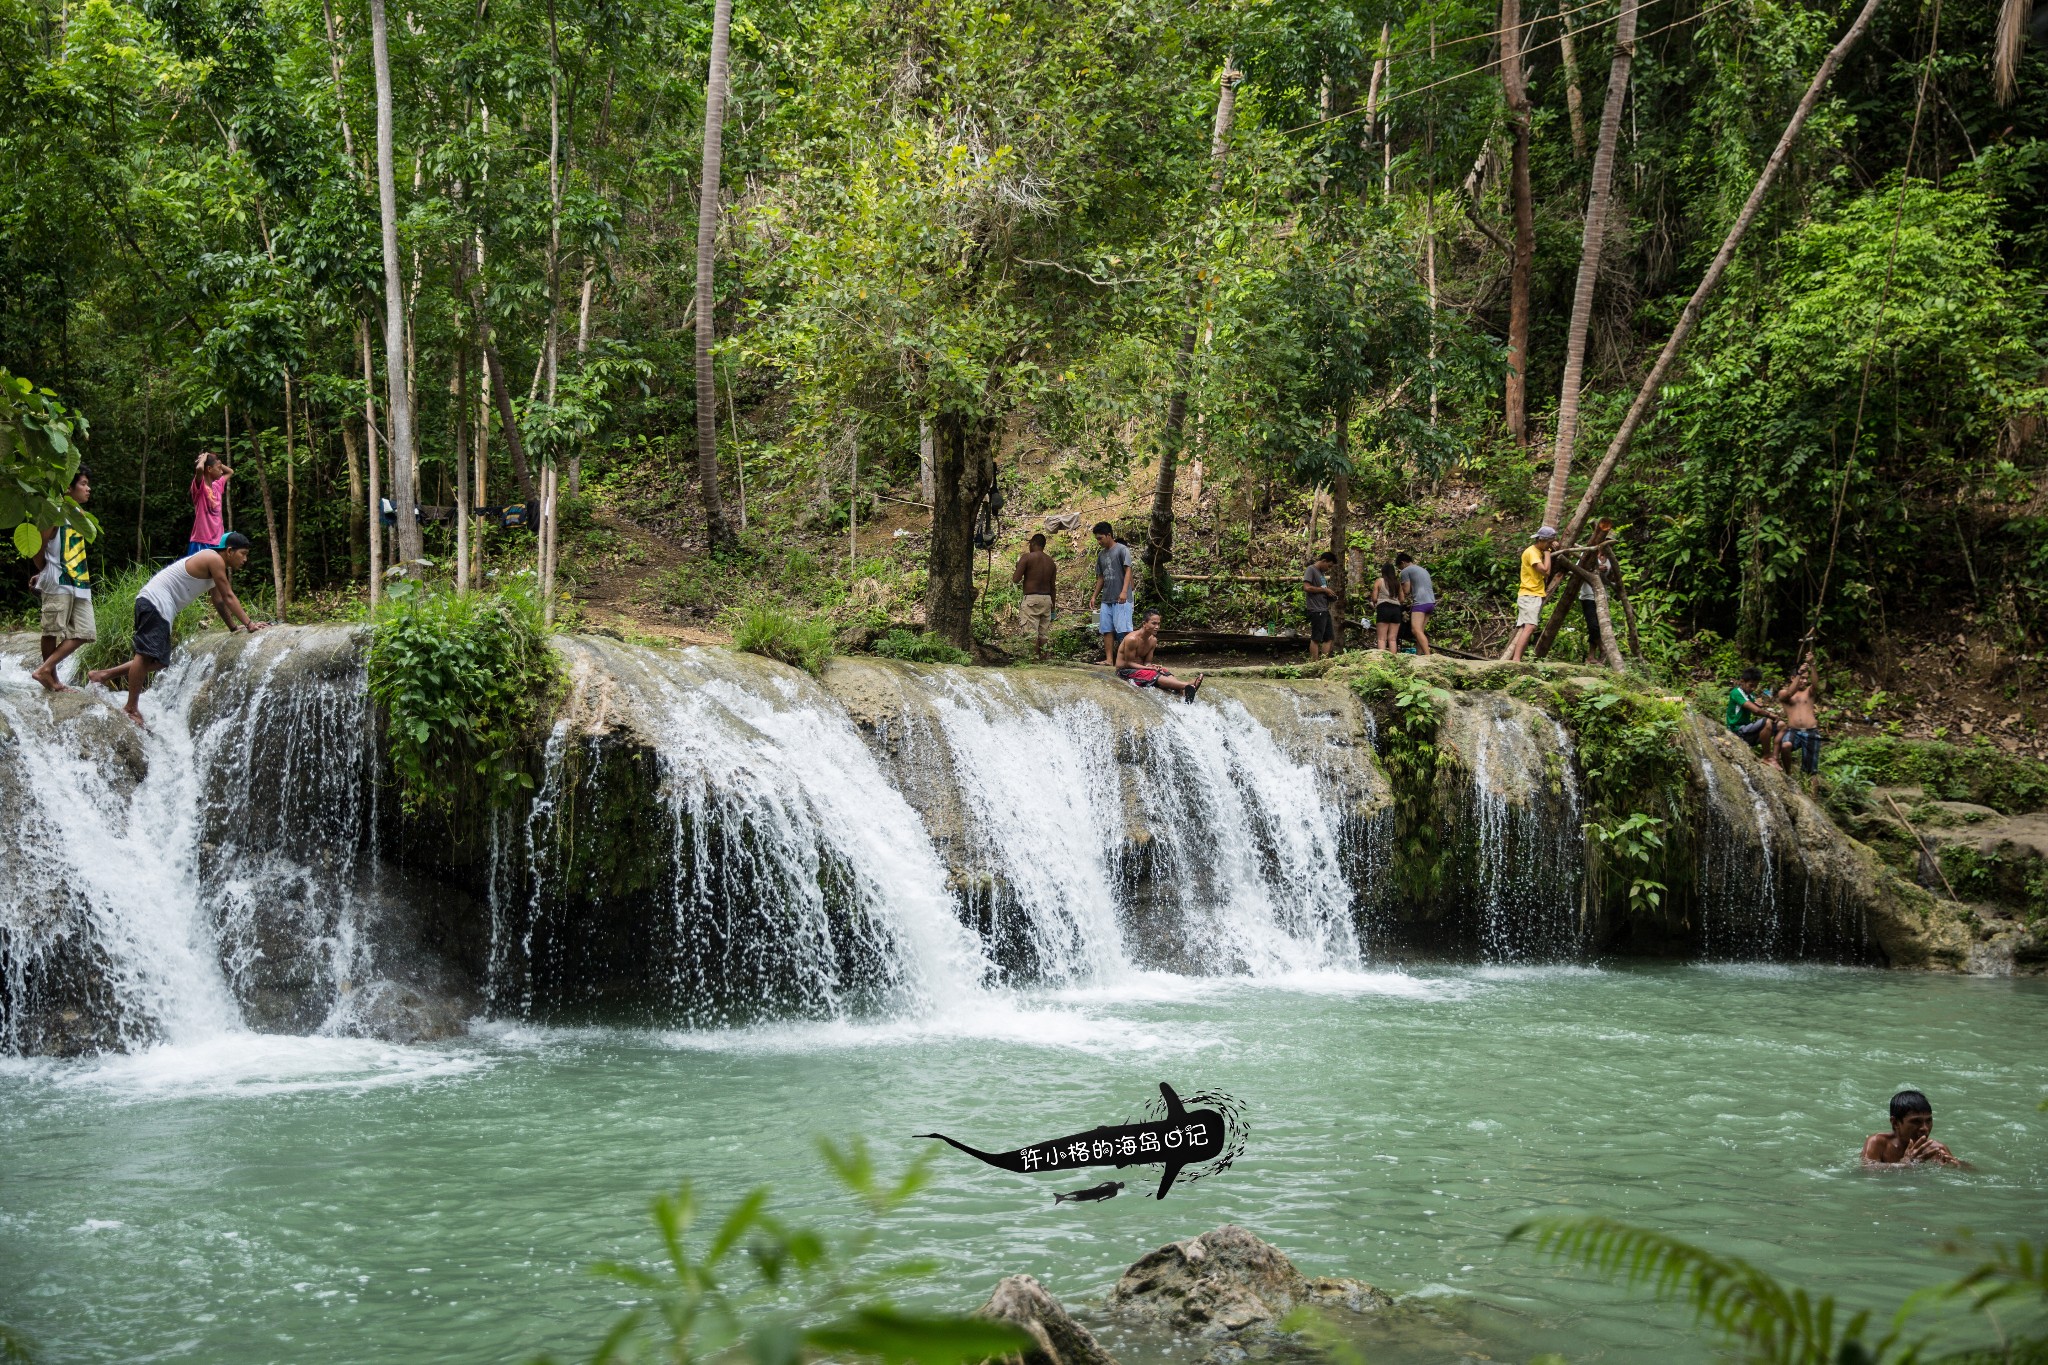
891 1336
27 539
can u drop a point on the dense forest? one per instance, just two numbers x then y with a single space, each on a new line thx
1259 276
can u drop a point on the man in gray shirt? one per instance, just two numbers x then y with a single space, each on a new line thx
1420 595
1320 598
1116 582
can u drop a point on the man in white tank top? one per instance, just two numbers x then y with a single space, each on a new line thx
173 588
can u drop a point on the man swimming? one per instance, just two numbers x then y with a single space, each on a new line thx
1911 1140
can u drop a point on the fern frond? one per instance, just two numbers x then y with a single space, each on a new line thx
1777 1324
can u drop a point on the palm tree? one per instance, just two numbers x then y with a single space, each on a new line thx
398 407
716 532
2009 46
1515 87
1597 201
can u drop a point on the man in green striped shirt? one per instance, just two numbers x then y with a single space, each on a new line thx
66 585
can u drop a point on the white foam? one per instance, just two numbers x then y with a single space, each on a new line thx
253 1065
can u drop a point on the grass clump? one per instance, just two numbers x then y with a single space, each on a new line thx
918 648
1978 773
464 683
777 633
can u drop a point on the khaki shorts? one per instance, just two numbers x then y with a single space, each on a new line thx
1036 612
1528 609
66 617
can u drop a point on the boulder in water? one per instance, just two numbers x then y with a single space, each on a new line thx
1024 1303
1228 1281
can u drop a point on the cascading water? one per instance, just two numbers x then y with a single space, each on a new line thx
1111 831
801 883
1527 843
112 862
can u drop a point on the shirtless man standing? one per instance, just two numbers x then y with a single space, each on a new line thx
1911 1140
1801 727
175 587
1038 576
1134 662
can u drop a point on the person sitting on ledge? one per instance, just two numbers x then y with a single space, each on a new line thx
1134 662
1748 719
1911 1140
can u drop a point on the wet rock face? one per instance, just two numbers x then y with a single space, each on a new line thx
1057 1339
1227 1282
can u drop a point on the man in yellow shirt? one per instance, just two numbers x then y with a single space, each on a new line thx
1535 583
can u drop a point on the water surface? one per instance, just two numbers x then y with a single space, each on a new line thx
284 1199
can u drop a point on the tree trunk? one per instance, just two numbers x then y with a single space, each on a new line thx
551 352
291 504
353 461
1159 533
963 469
1340 518
1599 196
583 349
510 426
458 406
399 408
372 500
1515 85
1574 101
716 533
277 597
1646 396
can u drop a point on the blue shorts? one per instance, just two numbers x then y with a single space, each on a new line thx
1751 730
1113 618
193 547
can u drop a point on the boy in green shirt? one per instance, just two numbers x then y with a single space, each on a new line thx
1748 719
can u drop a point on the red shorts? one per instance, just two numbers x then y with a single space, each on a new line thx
1140 677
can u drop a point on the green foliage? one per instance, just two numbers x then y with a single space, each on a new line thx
465 682
1627 745
761 1289
1946 772
1634 847
780 634
1413 711
15 1347
1775 1324
919 648
38 457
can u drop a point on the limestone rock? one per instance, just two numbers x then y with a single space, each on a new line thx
1227 1281
398 1013
1022 1302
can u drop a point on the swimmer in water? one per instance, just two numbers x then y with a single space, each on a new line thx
1911 1140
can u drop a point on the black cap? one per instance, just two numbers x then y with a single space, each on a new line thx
235 540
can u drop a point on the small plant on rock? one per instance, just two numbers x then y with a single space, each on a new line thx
917 648
464 681
805 642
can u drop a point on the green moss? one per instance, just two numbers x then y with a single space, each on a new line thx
1411 712
1946 772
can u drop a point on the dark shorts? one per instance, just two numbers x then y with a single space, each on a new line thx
1140 677
152 633
1320 631
1422 608
1387 613
1751 730
1592 615
1805 743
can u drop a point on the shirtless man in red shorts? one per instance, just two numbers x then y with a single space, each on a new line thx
1134 662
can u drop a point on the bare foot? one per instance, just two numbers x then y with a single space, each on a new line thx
134 715
47 676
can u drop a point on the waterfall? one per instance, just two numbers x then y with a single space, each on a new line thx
1738 864
110 863
1525 819
800 882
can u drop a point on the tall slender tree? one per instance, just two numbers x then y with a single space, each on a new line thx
716 530
1599 196
398 409
1515 88
1159 533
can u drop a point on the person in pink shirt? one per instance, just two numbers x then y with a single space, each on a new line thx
209 486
